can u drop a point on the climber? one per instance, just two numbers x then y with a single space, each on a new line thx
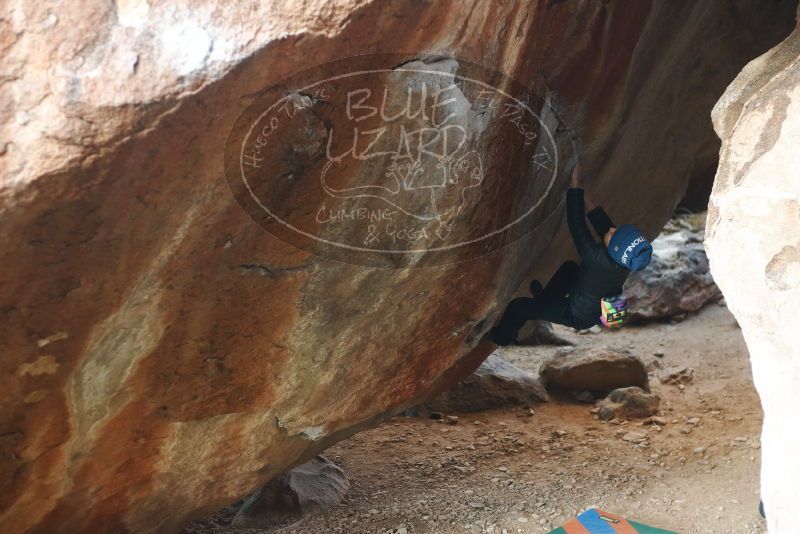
589 294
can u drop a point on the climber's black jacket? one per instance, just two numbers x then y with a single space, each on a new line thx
599 276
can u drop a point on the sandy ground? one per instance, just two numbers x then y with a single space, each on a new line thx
507 471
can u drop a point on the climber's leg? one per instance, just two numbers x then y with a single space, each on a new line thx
565 277
549 304
522 310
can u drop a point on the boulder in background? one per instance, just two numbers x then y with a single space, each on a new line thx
678 280
495 384
308 488
598 370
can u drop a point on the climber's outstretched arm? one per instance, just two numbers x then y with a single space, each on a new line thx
576 220
576 216
597 216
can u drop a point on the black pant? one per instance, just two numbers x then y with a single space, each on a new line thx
551 304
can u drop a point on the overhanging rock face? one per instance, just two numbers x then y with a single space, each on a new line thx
753 241
163 355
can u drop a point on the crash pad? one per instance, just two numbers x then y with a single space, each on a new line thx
595 521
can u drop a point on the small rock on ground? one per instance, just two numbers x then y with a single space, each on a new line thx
677 375
310 487
628 403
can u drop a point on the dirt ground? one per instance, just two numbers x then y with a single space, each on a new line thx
507 471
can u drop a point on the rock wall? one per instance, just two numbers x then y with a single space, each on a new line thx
753 242
162 354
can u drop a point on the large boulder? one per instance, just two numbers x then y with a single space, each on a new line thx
164 355
678 279
495 384
753 242
597 369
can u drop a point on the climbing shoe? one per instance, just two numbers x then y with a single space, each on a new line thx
496 337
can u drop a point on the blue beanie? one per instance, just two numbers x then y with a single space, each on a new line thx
629 248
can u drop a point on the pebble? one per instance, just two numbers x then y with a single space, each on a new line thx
452 419
634 437
655 420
